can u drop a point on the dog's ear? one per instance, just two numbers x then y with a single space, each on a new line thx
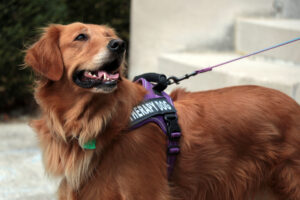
44 56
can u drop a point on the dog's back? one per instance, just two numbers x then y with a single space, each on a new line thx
236 141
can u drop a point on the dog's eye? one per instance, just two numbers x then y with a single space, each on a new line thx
81 37
106 34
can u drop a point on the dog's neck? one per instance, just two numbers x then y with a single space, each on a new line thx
71 112
68 115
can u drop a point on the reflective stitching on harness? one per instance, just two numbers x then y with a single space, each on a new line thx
150 108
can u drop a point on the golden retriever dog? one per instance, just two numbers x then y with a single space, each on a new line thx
235 141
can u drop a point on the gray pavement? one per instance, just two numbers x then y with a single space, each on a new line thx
22 174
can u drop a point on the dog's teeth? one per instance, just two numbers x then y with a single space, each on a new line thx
90 73
94 75
104 76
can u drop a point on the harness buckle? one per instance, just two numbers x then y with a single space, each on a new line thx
173 128
173 132
173 150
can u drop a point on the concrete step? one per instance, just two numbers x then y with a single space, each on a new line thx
22 173
253 34
275 74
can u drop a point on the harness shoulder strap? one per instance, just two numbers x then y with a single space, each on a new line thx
158 107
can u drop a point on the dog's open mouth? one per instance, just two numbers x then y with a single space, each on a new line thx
105 77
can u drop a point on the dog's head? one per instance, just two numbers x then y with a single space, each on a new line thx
89 56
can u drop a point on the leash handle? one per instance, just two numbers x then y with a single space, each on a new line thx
152 77
160 80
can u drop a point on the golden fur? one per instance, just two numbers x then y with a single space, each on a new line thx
236 141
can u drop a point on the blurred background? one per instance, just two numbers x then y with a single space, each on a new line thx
174 37
177 37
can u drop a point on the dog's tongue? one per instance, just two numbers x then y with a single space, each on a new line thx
106 75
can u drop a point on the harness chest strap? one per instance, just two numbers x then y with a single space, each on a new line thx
158 108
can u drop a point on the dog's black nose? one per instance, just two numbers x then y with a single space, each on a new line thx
116 45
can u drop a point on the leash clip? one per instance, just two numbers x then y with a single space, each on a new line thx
174 79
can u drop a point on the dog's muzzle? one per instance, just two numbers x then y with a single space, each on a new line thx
105 76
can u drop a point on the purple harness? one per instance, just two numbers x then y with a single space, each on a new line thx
159 108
